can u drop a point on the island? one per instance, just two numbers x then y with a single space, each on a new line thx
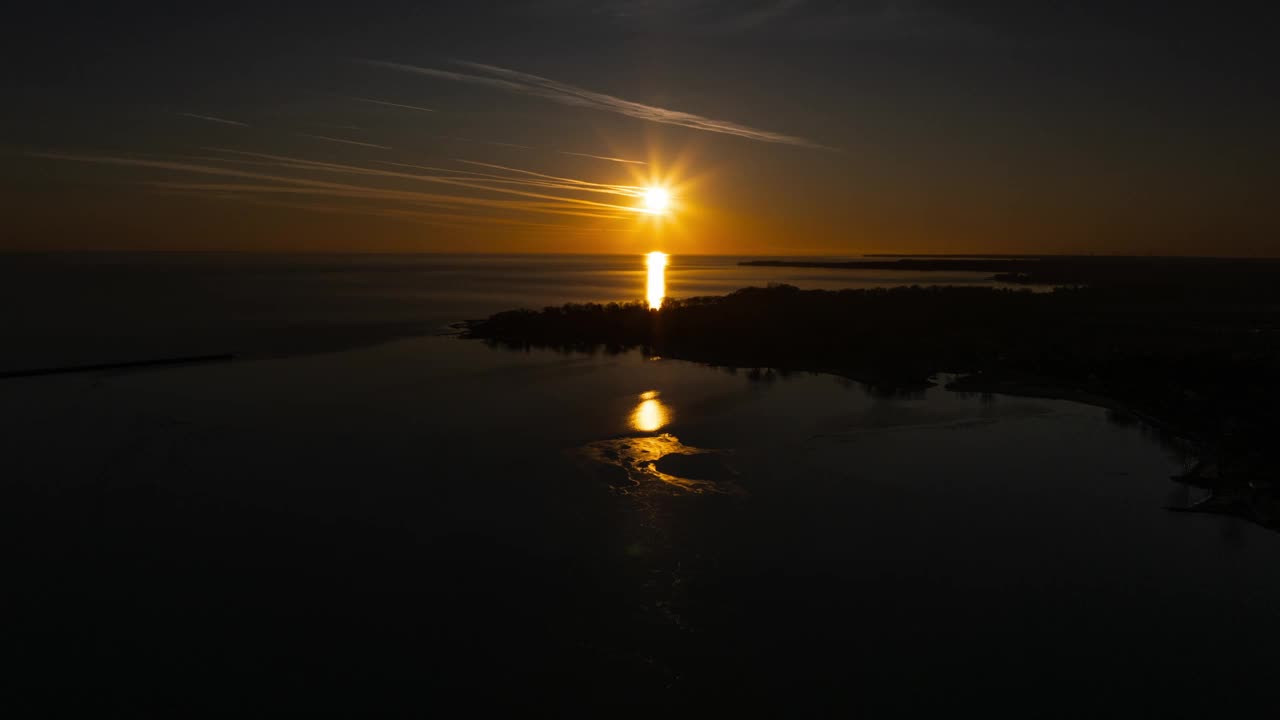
1196 363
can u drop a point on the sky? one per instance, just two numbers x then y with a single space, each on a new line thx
781 127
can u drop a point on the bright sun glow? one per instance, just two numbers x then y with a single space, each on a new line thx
657 200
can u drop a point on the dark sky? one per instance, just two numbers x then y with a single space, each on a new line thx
781 126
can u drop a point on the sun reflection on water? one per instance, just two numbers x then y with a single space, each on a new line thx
657 288
651 414
638 457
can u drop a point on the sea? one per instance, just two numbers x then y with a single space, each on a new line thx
78 308
362 511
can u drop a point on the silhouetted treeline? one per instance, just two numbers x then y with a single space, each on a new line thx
1206 369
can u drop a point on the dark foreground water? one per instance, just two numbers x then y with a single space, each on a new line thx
428 522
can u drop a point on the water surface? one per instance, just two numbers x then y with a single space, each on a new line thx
80 308
437 516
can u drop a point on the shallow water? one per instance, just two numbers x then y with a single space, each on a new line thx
433 515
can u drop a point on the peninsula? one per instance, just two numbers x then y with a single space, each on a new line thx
1199 362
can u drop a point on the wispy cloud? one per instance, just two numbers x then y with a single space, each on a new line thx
299 163
243 193
605 157
566 94
533 190
537 180
384 103
345 142
627 190
210 118
487 142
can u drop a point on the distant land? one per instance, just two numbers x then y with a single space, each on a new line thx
1189 346
1113 270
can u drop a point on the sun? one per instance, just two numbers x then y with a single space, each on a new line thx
657 200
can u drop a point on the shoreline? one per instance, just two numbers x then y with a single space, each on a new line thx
1047 389
1200 371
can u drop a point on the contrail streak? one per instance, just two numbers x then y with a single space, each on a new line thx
371 101
234 192
211 118
566 94
558 205
604 157
631 190
345 142
338 167
551 182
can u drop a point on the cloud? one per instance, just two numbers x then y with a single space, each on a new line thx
627 190
371 101
605 157
486 142
243 193
345 142
565 94
467 182
542 181
211 118
249 183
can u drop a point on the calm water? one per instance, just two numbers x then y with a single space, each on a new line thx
82 308
429 517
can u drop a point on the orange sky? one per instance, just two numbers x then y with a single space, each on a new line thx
859 128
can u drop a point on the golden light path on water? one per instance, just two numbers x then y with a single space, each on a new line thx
639 456
657 287
650 415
